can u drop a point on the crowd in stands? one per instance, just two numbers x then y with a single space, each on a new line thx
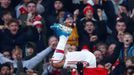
27 42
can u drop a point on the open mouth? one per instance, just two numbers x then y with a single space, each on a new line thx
15 30
89 30
127 40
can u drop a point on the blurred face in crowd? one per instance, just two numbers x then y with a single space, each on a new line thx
7 17
120 26
53 40
58 5
128 62
61 14
120 36
13 27
6 54
102 48
111 49
30 51
61 17
5 3
89 14
5 70
127 39
98 55
89 27
31 8
17 54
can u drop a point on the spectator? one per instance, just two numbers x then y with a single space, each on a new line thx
126 51
21 7
14 35
58 5
102 47
5 5
92 34
117 35
33 19
99 56
108 7
6 69
129 66
111 49
6 54
48 69
26 64
6 17
30 50
128 47
53 15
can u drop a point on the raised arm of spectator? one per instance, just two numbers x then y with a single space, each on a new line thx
110 13
4 59
101 26
30 64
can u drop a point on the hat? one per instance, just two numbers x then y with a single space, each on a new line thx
88 7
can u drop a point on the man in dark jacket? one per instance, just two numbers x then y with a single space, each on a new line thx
15 36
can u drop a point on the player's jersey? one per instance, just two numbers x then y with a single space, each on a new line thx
84 56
